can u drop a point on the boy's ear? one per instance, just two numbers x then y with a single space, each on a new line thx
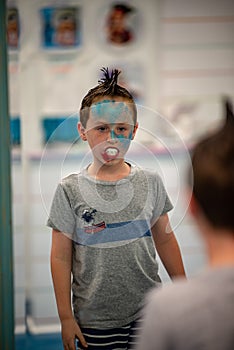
81 131
198 214
134 130
194 207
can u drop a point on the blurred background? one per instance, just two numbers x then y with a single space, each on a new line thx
176 58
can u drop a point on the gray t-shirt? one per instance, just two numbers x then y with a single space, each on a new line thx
197 314
114 258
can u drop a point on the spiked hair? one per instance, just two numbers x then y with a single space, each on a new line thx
107 86
213 173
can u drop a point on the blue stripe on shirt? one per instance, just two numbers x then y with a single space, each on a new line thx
121 231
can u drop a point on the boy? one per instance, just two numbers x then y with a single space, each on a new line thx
104 221
198 314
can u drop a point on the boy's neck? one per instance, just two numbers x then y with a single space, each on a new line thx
219 241
109 172
220 246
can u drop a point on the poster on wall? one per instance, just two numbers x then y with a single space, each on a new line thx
120 24
13 28
61 27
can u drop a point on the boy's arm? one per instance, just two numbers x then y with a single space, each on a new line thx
61 262
167 247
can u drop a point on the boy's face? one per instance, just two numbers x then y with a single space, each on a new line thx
109 129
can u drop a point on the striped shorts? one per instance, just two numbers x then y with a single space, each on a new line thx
122 338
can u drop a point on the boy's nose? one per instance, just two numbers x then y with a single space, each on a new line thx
112 136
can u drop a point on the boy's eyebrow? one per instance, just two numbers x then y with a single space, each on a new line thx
99 122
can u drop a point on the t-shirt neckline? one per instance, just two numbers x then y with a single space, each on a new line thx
133 169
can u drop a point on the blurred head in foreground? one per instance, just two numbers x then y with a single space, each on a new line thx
213 178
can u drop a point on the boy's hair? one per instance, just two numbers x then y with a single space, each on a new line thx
107 87
213 173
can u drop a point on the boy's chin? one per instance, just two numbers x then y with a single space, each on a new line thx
112 161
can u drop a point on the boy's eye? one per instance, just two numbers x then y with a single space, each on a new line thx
117 130
101 128
121 129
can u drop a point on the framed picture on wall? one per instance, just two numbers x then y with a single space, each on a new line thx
119 24
13 28
119 29
60 27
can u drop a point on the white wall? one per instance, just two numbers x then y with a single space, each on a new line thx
197 63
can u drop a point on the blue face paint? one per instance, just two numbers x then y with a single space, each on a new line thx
125 142
112 112
113 134
124 139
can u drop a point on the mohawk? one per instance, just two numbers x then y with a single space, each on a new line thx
110 80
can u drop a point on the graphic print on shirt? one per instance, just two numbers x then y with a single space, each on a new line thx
96 231
88 216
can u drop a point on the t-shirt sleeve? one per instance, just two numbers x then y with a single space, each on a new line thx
162 200
61 217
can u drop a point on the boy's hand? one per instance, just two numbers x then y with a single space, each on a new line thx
71 331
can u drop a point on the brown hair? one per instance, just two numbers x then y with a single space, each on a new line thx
107 87
213 173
